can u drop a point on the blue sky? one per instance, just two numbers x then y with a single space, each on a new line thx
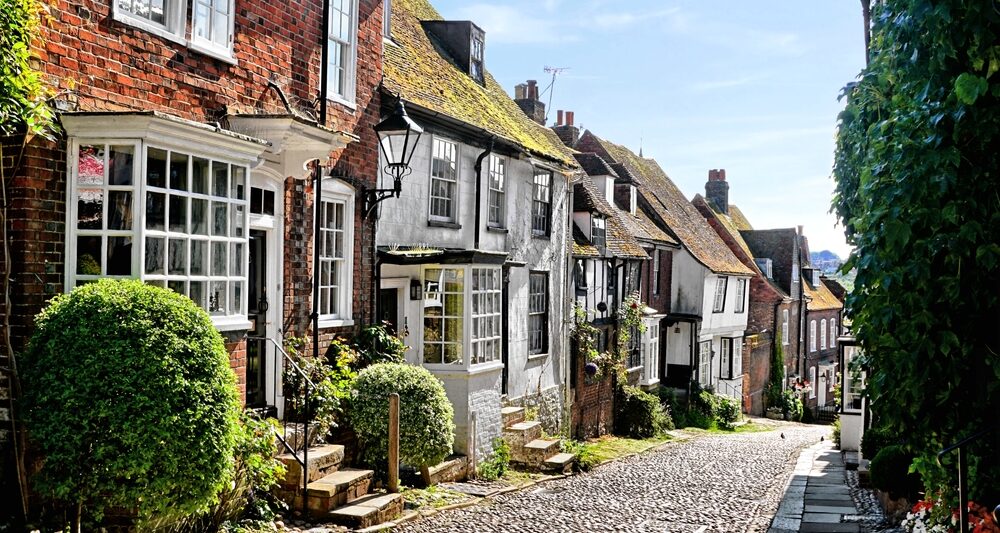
750 87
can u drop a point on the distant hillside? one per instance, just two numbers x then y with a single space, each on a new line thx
826 261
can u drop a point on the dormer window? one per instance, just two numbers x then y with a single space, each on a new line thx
815 276
598 232
476 68
766 267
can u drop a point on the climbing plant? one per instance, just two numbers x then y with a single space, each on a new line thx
917 192
776 379
23 94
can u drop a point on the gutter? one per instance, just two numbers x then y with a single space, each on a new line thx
479 190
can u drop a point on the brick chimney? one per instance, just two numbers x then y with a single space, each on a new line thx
568 133
526 97
717 190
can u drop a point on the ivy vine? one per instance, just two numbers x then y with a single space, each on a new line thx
23 94
917 192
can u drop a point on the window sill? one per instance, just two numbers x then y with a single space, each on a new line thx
634 369
457 370
335 323
649 382
349 104
224 56
497 229
224 323
541 236
149 27
537 356
443 224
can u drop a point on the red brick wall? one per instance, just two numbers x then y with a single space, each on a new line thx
592 413
820 356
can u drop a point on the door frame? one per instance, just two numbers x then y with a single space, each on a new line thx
402 286
274 228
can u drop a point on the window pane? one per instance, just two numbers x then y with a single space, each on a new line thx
197 292
156 12
177 286
432 353
217 298
219 259
121 165
199 258
90 209
178 171
220 211
199 216
199 175
90 165
220 179
238 219
156 168
178 213
155 254
220 23
155 210
268 207
236 263
236 298
119 256
239 184
119 210
88 255
178 257
201 19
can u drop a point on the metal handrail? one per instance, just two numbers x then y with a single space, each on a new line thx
963 482
287 362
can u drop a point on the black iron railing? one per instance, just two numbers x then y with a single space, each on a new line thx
963 475
296 409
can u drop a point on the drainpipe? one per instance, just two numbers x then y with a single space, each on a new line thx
325 60
505 326
565 351
479 189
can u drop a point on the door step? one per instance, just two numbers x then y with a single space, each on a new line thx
322 461
368 511
511 415
560 462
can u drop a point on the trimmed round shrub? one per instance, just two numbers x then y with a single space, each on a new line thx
129 398
890 472
426 417
638 414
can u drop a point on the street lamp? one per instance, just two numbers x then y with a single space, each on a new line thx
398 136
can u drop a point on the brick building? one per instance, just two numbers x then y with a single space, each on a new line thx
824 315
184 135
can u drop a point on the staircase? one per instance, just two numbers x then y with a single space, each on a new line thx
334 493
527 449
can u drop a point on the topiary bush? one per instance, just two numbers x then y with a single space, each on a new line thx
890 472
727 412
876 438
129 398
426 417
638 414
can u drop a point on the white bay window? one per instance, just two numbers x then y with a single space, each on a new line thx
152 209
448 293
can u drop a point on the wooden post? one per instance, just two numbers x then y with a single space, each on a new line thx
473 460
394 442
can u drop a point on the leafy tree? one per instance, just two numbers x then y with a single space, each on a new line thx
128 395
917 179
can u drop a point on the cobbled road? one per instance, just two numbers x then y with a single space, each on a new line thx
730 483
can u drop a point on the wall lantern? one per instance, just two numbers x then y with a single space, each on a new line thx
398 136
416 290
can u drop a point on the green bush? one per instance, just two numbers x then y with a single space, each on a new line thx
378 344
129 397
426 425
727 412
836 432
876 438
332 377
638 414
584 457
496 465
792 405
890 472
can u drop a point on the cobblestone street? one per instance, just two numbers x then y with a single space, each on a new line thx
710 483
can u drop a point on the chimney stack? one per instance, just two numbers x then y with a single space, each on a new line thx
568 133
717 190
526 97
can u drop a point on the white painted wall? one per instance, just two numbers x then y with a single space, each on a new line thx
728 321
687 284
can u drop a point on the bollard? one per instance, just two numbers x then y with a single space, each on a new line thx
394 442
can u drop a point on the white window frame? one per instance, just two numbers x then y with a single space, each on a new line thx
387 19
453 217
173 27
496 202
822 334
471 319
705 362
348 95
741 295
812 382
338 192
719 305
651 352
208 45
545 191
538 314
139 233
784 328
656 271
833 333
812 335
486 328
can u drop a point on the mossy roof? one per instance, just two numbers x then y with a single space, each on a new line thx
677 213
619 241
821 298
418 68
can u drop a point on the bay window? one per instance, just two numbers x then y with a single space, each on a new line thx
448 293
486 328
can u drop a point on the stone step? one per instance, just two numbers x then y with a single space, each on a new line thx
560 462
368 511
511 415
337 489
517 435
322 461
535 452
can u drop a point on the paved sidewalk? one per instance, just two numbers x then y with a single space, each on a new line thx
817 497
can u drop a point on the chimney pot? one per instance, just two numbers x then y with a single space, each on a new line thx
520 92
569 118
559 118
722 174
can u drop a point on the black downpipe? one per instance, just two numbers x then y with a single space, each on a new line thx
325 58
479 189
505 325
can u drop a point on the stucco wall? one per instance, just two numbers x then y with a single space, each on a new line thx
687 286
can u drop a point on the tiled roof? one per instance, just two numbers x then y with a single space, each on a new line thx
821 297
738 219
595 165
627 174
680 217
581 246
641 227
620 243
419 69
